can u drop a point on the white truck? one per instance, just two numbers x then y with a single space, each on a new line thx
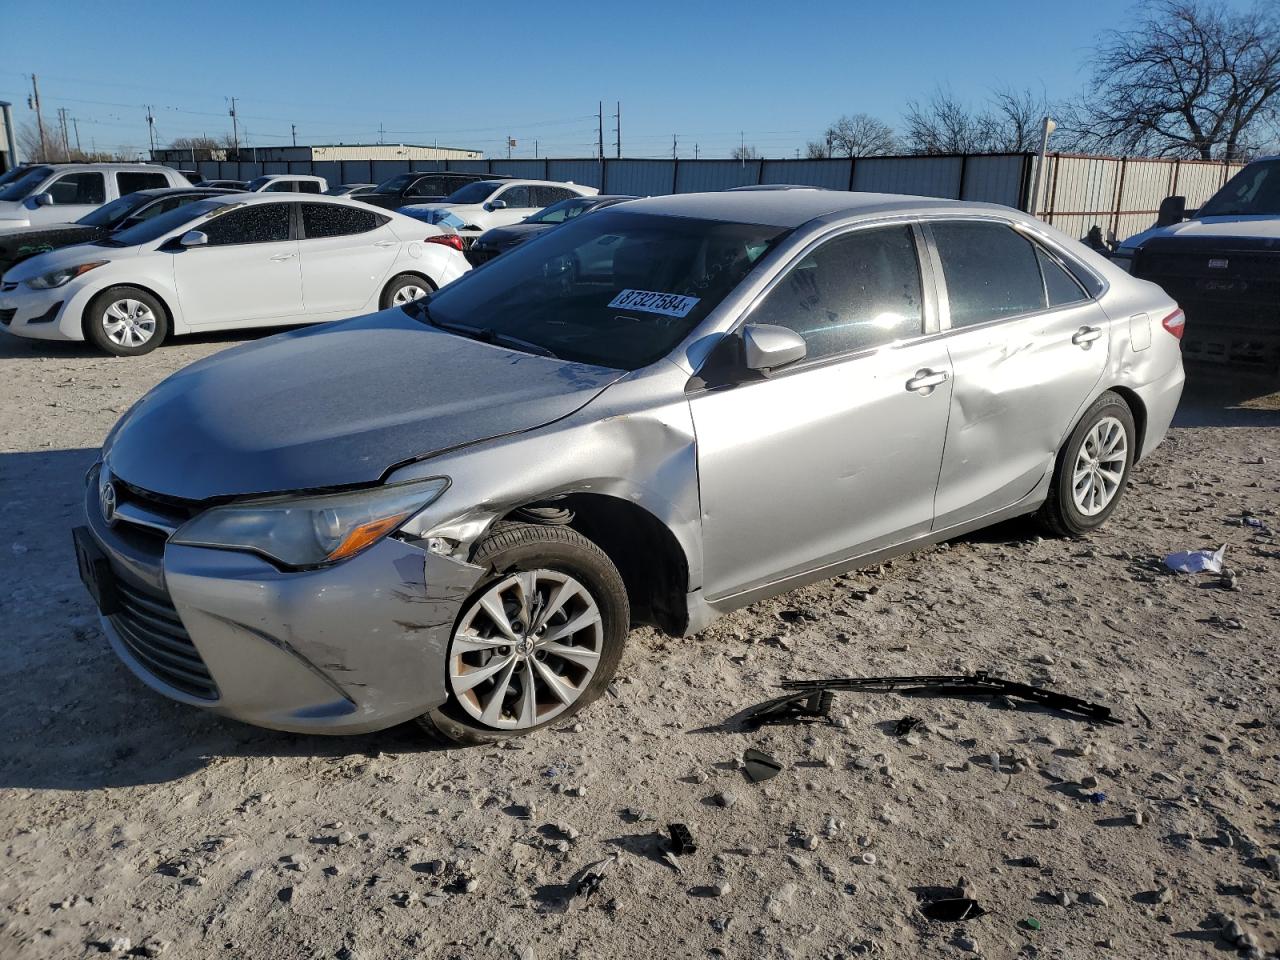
46 193
1222 264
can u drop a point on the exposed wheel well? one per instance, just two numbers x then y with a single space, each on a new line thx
168 311
648 556
1139 411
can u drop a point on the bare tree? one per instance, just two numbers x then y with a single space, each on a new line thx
859 135
1189 79
817 150
944 124
28 135
203 147
745 152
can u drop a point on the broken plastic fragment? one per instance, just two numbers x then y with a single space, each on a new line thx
760 766
1196 561
952 909
905 726
681 840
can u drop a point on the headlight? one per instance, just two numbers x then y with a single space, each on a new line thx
310 531
57 278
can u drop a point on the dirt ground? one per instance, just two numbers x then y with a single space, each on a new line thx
139 826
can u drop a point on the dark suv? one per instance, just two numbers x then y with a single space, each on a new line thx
421 186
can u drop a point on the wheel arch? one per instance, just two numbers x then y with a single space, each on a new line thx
1139 411
648 555
160 299
411 272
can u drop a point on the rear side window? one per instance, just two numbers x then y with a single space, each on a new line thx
79 188
257 223
306 186
855 292
545 196
1060 287
329 220
991 271
132 182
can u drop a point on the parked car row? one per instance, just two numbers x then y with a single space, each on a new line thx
654 413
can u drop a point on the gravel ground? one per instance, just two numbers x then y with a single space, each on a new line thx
133 824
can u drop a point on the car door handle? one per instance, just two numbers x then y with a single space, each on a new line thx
283 256
386 243
925 380
1086 335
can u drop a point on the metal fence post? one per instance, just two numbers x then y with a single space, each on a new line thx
1115 223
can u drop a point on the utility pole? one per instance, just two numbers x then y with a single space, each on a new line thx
66 139
617 131
34 103
673 146
235 129
75 122
293 129
695 151
535 149
742 148
381 132
600 129
151 131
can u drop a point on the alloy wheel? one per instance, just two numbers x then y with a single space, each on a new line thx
128 322
1099 467
407 294
525 649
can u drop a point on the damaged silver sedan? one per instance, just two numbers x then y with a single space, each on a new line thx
453 511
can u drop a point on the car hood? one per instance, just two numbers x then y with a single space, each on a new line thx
67 257
1244 227
501 236
336 405
13 214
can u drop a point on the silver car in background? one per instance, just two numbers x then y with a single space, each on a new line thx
454 510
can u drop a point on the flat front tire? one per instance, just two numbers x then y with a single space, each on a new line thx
125 321
538 639
1092 468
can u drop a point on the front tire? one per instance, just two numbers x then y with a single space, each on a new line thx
538 639
1092 469
126 321
405 288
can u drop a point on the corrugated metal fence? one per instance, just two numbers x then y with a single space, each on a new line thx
1117 193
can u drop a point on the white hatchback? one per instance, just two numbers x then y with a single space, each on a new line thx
242 260
476 207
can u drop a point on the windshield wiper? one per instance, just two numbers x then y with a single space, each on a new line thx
485 335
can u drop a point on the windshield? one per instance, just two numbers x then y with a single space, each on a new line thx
256 184
562 211
474 192
20 187
397 184
114 212
614 289
157 227
1253 192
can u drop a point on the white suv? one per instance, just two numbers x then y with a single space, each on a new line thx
287 183
65 192
480 206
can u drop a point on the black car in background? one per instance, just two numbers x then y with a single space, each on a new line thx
501 239
19 244
421 186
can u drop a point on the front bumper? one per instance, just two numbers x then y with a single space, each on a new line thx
356 647
41 314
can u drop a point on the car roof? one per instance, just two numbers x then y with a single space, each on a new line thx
180 191
791 208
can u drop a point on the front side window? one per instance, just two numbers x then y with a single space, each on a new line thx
614 289
396 184
428 187
157 227
517 197
128 182
79 188
255 223
991 271
855 292
328 220
114 213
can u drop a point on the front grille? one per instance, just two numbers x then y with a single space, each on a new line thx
150 627
6 316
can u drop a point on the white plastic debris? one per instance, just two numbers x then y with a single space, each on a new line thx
1196 561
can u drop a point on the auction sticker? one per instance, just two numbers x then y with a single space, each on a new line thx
648 301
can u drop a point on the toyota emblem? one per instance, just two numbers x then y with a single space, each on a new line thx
107 501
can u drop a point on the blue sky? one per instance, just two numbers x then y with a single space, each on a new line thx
441 72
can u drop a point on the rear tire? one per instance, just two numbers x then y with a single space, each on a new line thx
556 652
1092 469
125 321
405 288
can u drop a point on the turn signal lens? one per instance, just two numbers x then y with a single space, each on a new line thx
1175 323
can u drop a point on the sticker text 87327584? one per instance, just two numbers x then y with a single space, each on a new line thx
649 301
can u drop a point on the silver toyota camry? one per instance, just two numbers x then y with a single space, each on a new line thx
453 511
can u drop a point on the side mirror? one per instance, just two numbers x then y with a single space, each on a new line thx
43 199
1172 210
193 238
767 347
497 204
